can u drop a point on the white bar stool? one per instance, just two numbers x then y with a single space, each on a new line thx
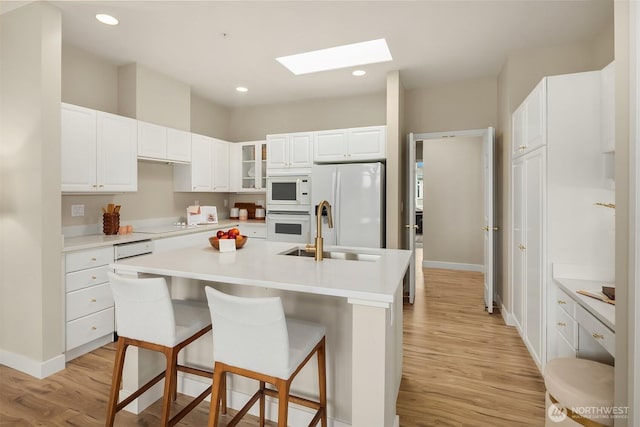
254 339
146 317
579 393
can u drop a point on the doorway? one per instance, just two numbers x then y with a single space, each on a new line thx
457 198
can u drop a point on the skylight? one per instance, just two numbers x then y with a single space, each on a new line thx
350 55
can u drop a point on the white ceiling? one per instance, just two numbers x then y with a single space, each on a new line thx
431 41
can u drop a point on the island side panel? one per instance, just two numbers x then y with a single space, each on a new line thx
375 377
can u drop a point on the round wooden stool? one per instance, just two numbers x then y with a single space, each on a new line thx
579 393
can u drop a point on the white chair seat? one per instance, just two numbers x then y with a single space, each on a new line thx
190 316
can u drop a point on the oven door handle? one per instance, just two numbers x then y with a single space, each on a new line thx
285 217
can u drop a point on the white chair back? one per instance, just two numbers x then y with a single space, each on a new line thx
143 309
249 333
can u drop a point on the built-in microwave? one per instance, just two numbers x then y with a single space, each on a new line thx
289 193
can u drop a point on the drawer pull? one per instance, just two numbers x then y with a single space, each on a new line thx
561 302
93 328
93 300
598 336
93 259
562 324
93 277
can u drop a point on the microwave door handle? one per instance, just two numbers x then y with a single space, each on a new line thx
336 211
298 190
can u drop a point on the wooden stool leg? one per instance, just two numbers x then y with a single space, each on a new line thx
322 381
223 398
116 380
171 355
283 402
262 402
216 390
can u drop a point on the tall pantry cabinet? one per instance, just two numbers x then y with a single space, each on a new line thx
557 179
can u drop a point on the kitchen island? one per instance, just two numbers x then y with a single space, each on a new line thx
360 302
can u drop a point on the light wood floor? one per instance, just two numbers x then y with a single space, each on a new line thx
462 367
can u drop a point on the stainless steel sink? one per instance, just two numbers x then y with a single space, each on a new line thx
349 256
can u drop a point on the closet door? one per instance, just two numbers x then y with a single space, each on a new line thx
534 251
517 242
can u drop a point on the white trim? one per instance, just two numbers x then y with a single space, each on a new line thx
358 301
88 347
453 266
506 315
35 368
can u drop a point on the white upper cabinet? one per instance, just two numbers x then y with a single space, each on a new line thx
220 158
290 153
161 143
248 163
528 122
209 168
152 141
98 151
607 79
350 145
116 143
78 149
178 145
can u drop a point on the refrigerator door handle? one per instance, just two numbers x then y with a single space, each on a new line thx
336 210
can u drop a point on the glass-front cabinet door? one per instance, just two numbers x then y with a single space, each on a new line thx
253 166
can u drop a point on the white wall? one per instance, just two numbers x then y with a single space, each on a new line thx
31 319
453 200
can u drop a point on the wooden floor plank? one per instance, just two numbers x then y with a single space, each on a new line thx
461 367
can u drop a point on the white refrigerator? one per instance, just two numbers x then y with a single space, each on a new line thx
356 194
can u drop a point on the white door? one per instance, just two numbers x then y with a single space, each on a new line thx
220 163
178 145
78 148
489 228
410 215
117 153
517 243
277 151
301 150
201 163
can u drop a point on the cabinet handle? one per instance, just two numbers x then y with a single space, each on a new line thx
100 185
487 228
93 328
522 147
94 300
562 324
93 277
561 302
598 336
606 205
93 259
522 247
95 186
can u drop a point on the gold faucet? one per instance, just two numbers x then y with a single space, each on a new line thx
318 247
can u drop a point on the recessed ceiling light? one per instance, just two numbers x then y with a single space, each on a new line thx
359 73
242 89
106 19
350 55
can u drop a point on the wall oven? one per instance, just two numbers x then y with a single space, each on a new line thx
288 227
289 193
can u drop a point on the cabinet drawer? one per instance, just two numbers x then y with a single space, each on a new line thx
603 335
567 326
87 301
89 328
85 278
253 230
565 349
565 302
90 258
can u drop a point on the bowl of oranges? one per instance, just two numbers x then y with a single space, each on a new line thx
231 234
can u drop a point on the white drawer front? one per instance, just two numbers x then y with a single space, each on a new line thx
565 349
567 326
85 278
603 335
565 302
89 328
90 258
87 301
254 230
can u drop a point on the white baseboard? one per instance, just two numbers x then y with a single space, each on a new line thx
88 347
453 266
506 315
35 368
147 399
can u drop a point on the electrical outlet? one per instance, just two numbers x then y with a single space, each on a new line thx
226 203
77 210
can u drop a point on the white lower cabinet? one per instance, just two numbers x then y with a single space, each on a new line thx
253 230
88 301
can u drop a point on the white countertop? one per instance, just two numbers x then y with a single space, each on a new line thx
98 240
259 263
605 313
